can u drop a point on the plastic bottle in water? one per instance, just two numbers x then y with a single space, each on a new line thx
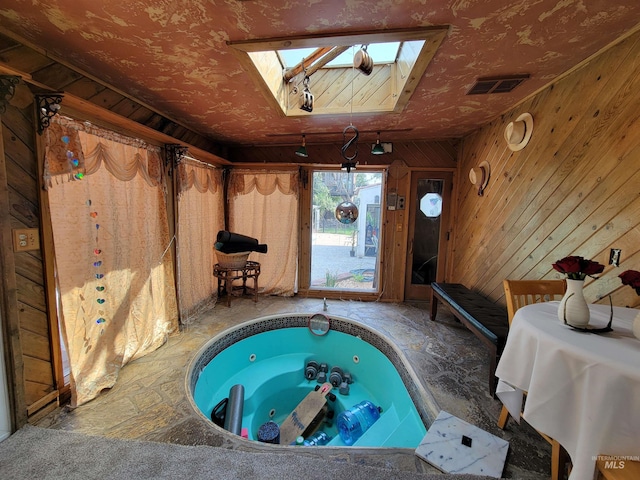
318 438
354 422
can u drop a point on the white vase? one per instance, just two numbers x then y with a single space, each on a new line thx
636 326
573 307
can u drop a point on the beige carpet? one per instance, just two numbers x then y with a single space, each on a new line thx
41 453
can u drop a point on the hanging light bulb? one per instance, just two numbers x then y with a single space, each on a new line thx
377 149
302 151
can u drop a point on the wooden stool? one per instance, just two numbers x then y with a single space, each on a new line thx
226 276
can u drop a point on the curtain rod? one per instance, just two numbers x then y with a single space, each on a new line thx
200 162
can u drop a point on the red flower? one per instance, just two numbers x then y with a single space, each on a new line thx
577 268
631 278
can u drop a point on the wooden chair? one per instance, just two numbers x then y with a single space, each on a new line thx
519 293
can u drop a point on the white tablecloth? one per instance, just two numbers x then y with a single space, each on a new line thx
583 389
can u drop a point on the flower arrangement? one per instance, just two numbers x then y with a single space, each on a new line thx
577 268
631 278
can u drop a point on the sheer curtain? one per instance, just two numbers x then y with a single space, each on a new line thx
200 218
264 205
111 238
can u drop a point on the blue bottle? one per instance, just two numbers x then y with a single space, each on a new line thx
354 422
318 438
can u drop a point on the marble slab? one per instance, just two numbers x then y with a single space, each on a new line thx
455 446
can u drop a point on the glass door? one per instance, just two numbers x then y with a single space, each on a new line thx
344 256
428 229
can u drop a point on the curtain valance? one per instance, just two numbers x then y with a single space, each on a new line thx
75 149
196 174
243 182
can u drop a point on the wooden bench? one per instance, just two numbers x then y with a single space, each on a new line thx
488 321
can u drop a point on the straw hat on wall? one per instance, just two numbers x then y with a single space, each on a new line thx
479 176
518 133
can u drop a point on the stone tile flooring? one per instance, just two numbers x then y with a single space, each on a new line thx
149 400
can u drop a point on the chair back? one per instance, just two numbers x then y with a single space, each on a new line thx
525 292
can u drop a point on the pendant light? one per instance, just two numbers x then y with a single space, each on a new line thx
302 151
377 149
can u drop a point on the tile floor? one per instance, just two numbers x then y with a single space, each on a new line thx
149 400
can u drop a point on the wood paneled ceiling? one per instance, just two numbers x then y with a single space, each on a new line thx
175 55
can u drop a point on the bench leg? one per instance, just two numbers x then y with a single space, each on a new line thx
433 307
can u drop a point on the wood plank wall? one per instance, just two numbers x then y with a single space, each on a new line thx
25 310
574 190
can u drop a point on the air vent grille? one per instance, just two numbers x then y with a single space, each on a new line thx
487 85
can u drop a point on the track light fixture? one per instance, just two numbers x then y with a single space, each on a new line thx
348 166
377 149
302 151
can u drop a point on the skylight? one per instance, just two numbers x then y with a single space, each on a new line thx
381 52
328 83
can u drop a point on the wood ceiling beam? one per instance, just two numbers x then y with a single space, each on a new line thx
334 53
298 68
332 40
322 55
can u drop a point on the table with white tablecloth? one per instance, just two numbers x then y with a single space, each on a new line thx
583 389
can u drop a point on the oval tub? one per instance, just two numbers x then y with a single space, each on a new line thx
268 356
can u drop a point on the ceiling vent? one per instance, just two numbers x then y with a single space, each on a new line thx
496 84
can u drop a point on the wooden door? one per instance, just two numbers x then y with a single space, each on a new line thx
429 205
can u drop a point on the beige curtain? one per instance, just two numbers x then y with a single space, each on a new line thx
200 218
264 205
111 238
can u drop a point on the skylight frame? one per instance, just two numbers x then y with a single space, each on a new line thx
262 63
377 51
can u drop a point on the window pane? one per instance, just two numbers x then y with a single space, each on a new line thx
379 52
345 256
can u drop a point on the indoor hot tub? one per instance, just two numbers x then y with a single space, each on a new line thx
278 360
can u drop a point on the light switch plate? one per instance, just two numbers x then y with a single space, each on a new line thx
25 239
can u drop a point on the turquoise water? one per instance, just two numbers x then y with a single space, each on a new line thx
270 366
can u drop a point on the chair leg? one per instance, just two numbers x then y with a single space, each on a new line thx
504 416
559 459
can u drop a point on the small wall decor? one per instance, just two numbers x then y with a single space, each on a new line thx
479 176
518 133
48 107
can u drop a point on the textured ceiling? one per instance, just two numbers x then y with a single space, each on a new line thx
174 56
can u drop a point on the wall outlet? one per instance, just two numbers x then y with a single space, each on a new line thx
400 203
614 257
25 239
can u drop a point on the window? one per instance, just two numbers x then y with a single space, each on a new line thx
345 256
400 58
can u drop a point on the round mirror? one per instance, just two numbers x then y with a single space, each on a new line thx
347 212
319 324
